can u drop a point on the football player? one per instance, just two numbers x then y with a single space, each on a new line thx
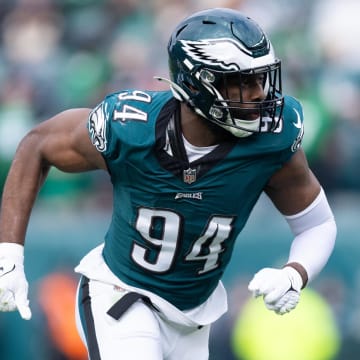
187 167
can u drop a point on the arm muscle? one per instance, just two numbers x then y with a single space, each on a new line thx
61 141
294 186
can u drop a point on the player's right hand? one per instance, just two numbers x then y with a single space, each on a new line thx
13 283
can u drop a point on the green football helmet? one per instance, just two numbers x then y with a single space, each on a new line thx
211 48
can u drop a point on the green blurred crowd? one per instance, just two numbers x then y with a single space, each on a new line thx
57 54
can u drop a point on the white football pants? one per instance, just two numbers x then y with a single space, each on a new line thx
139 334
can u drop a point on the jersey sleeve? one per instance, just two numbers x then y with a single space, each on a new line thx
99 126
293 127
125 121
296 116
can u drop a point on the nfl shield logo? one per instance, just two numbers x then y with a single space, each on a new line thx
189 175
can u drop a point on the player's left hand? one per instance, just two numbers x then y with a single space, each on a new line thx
13 283
280 288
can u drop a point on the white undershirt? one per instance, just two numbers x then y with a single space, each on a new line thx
196 152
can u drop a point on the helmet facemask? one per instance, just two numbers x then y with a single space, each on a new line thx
210 98
238 115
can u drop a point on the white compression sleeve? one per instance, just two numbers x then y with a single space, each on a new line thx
315 233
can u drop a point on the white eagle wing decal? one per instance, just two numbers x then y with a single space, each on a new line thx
97 127
299 125
220 52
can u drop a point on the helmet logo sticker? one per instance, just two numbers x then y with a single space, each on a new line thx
225 53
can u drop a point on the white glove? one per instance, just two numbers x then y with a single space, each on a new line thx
280 288
13 284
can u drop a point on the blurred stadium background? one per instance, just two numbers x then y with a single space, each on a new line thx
56 54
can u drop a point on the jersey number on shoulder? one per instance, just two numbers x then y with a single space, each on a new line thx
129 112
162 231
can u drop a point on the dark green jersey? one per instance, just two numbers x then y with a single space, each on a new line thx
174 223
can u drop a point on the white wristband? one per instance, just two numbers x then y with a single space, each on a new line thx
12 250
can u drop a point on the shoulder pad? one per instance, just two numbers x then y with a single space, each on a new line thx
124 117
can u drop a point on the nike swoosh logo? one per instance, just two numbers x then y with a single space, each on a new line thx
6 270
298 123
